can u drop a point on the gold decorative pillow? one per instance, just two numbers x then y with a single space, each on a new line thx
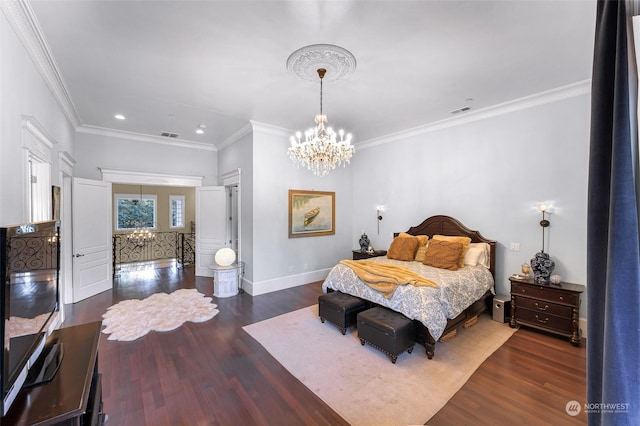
465 241
422 239
403 248
443 254
422 244
421 252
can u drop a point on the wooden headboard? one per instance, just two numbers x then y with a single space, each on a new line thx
446 225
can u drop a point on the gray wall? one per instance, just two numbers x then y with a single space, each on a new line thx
111 152
275 254
24 92
490 174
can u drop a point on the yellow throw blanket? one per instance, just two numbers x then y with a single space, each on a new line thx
384 277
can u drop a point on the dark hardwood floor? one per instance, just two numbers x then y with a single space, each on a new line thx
213 373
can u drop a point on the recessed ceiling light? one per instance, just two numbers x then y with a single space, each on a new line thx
120 116
200 129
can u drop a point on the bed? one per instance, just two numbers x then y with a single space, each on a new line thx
460 296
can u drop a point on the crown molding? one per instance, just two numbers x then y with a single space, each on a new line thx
542 98
121 134
235 136
270 129
23 21
147 178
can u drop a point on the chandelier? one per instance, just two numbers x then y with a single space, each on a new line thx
321 151
140 236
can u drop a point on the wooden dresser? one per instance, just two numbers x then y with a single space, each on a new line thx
74 395
550 307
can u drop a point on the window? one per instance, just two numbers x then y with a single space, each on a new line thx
135 211
176 211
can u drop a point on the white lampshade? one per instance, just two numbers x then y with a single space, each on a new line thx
225 256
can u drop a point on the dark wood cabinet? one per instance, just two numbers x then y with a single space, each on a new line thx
358 255
551 307
74 395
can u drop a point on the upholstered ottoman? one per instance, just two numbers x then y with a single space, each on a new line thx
340 309
387 330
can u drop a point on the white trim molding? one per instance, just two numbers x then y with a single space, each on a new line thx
268 286
23 21
232 177
554 95
235 136
121 134
41 145
66 162
146 178
270 129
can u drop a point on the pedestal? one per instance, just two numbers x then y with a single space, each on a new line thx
226 279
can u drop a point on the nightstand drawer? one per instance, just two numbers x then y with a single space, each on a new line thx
544 320
545 293
543 306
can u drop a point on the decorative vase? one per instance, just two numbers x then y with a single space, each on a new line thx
542 266
364 243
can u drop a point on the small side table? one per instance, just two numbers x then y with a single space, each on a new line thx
358 255
226 279
551 307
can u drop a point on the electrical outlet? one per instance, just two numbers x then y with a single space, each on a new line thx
515 246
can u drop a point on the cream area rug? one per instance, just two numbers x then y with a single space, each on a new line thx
131 319
360 383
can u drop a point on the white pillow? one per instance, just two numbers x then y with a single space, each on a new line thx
478 254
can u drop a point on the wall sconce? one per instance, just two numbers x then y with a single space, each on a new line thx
379 210
544 223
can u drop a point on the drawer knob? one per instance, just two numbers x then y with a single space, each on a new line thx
542 321
523 290
561 298
541 308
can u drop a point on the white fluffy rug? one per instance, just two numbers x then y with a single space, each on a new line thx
360 383
131 319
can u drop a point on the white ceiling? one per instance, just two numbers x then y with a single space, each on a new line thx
171 65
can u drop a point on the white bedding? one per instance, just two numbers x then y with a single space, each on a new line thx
431 306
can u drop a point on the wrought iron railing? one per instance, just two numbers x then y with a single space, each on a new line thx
186 249
33 253
164 245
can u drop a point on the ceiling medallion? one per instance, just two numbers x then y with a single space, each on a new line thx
306 61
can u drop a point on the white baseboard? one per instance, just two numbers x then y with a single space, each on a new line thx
582 325
267 286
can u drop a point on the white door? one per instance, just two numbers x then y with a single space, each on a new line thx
211 211
92 254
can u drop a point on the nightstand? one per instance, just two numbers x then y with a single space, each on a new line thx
550 307
358 255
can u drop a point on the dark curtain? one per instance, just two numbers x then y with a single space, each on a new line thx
613 254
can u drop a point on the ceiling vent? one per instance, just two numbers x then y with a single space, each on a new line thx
169 135
459 110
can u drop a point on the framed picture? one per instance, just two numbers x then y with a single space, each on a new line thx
311 213
55 202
